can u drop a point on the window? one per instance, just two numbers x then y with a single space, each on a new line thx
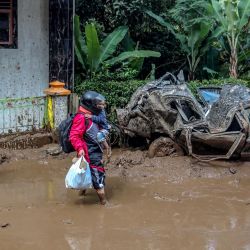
8 23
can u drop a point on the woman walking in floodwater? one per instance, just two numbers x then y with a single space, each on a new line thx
83 137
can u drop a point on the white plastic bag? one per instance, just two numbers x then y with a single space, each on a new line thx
79 175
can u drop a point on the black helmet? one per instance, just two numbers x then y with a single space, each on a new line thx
90 99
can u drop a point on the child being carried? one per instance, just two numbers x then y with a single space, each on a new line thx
102 135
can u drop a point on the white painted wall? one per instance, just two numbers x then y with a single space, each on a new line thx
24 72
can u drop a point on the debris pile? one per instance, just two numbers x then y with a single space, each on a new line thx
213 126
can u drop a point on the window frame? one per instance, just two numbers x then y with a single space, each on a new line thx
10 17
9 10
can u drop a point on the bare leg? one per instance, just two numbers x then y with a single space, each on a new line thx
101 195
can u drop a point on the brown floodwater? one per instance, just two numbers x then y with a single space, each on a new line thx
37 212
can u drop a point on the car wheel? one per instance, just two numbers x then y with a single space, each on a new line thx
164 146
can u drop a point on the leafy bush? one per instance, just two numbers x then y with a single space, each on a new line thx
191 28
110 14
119 75
233 19
114 13
117 93
93 55
194 85
119 90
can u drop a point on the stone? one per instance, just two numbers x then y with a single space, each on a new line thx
54 151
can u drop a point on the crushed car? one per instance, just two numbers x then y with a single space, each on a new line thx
212 125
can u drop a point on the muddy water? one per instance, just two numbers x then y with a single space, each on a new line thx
37 212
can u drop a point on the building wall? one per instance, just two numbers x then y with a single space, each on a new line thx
24 72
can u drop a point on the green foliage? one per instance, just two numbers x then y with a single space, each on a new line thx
93 55
191 26
186 44
188 13
117 93
133 54
233 18
90 9
114 13
130 13
110 14
194 85
121 74
244 56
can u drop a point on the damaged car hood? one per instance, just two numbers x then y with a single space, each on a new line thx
166 107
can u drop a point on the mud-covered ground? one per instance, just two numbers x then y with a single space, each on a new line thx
160 203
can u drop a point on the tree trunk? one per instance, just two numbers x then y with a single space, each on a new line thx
191 75
233 63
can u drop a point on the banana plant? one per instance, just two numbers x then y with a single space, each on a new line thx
92 54
191 40
244 56
233 16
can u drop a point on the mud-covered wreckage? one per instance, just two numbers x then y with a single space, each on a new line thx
215 125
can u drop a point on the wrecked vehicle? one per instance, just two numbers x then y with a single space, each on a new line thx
215 125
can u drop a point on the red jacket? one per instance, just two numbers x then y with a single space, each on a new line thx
78 130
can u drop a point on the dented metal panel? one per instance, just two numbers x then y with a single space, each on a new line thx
166 108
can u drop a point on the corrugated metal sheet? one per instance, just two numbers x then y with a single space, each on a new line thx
18 115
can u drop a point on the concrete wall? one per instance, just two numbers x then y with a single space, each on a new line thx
24 72
19 115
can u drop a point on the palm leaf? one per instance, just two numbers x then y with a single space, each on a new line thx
210 71
244 55
137 64
198 33
218 13
93 46
244 12
232 16
127 43
133 54
79 46
109 45
217 32
160 21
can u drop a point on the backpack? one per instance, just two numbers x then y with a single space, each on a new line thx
64 131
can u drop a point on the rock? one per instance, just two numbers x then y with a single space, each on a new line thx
54 151
3 157
4 225
233 170
68 222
